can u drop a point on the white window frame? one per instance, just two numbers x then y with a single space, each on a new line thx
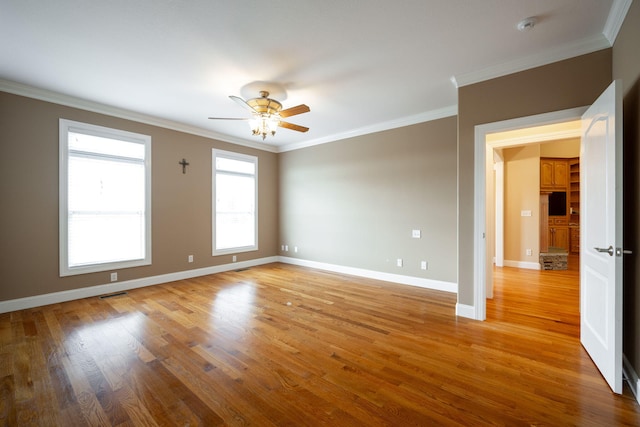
215 153
65 127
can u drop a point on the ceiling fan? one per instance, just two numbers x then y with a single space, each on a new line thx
267 114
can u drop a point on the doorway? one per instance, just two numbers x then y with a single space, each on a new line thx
484 225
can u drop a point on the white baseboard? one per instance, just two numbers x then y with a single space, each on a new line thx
109 288
632 376
468 311
377 275
522 264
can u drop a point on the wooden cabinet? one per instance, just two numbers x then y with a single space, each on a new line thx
574 240
554 174
558 233
559 237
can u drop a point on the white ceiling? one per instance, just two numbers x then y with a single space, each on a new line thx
361 66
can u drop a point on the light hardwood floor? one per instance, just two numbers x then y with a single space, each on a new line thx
286 345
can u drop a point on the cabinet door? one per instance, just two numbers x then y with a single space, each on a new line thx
559 237
562 238
560 174
546 173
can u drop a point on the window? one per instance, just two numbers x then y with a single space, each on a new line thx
105 198
235 195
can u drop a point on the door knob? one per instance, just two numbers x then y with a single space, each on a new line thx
608 250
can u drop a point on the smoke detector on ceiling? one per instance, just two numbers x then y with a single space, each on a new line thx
527 24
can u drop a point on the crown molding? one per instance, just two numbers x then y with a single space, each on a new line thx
618 12
560 53
96 107
427 116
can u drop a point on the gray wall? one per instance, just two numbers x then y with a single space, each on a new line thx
181 203
571 83
626 66
354 202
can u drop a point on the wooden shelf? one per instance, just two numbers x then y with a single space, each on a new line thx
563 232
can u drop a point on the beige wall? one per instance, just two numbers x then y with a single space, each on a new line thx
521 192
626 66
562 85
181 215
354 202
565 148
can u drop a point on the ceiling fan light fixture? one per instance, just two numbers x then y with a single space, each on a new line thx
267 114
264 124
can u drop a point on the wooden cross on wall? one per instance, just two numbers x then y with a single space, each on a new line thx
184 165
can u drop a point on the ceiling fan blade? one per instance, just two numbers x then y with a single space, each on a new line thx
298 109
227 118
242 103
292 126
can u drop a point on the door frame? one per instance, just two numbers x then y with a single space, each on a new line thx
480 259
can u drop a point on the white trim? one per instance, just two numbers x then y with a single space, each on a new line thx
560 53
632 377
377 275
479 231
499 210
522 264
96 107
615 19
537 138
468 311
543 119
71 101
617 13
427 116
215 153
66 127
479 209
109 288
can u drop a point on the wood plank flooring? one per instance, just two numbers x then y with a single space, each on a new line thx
284 345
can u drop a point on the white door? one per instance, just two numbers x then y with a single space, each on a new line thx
601 234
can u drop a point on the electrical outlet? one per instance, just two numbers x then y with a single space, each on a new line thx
282 248
190 258
529 253
234 259
416 234
286 248
114 277
399 262
295 249
424 265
